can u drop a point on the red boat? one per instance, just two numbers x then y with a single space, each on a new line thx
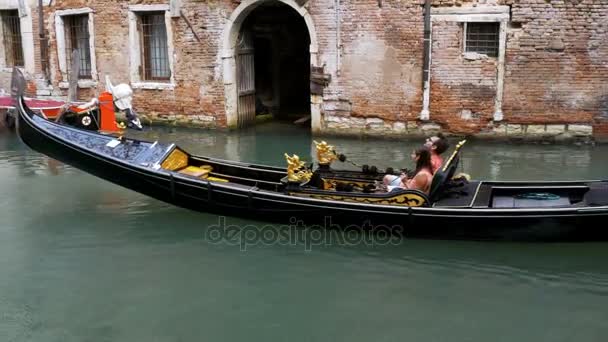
99 114
50 108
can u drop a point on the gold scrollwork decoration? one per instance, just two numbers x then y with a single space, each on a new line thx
407 199
296 169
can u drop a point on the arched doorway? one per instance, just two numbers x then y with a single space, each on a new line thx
269 48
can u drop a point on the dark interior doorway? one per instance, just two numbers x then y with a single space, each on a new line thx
281 61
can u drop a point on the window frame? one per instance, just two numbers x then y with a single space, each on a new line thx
135 48
3 34
27 40
146 72
72 41
60 34
465 37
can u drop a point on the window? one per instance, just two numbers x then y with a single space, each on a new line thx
75 30
11 37
153 47
77 38
482 38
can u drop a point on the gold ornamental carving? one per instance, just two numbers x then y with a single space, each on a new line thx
296 169
325 153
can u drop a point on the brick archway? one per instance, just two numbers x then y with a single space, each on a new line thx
229 41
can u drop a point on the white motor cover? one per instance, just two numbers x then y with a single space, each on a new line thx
123 97
122 94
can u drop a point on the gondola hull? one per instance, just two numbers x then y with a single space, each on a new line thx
256 192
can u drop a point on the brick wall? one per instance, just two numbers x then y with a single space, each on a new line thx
556 69
198 81
557 61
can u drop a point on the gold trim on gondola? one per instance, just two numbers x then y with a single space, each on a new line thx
329 184
407 200
449 162
335 181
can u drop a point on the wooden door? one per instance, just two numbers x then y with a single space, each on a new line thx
245 71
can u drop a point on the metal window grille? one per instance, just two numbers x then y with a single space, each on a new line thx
154 50
11 28
77 38
482 38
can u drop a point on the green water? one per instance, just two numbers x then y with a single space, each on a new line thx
85 260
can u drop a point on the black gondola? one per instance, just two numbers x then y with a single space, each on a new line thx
570 210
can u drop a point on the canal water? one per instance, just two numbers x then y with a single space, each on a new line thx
85 260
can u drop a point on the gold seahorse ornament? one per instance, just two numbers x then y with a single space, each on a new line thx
325 153
296 169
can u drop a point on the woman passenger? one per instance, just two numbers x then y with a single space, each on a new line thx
422 178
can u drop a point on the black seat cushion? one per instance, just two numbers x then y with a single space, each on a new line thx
441 178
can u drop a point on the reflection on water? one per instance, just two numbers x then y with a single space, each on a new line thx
85 260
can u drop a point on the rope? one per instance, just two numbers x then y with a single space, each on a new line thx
353 163
342 158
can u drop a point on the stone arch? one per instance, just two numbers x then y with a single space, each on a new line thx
229 41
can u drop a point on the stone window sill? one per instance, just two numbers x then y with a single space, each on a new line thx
81 84
153 85
475 56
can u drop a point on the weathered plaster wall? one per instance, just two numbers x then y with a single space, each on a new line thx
375 63
382 58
